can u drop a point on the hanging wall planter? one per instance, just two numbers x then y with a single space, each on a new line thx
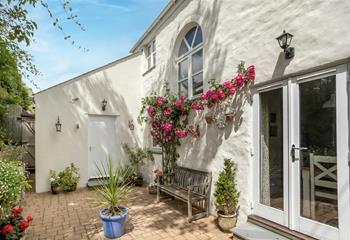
209 118
230 116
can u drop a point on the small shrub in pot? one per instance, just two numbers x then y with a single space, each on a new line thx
69 178
227 196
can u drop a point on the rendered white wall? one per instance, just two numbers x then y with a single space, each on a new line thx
246 30
118 84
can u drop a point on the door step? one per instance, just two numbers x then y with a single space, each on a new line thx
252 231
95 182
277 228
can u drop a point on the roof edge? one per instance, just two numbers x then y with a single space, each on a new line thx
120 60
159 18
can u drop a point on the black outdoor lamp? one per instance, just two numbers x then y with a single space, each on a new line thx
104 104
284 41
58 125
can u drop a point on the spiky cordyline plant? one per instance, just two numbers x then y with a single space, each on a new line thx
113 188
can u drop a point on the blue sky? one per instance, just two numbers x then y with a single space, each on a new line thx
112 28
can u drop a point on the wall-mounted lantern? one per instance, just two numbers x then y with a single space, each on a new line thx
58 125
104 105
131 125
284 41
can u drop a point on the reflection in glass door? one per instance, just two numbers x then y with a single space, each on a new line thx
271 148
318 160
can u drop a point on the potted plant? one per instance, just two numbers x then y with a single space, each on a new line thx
13 226
152 187
136 158
114 190
69 178
227 196
55 182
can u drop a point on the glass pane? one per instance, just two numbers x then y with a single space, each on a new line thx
197 62
199 37
183 88
197 84
183 69
271 147
318 164
183 48
190 35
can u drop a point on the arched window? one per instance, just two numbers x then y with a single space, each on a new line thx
190 64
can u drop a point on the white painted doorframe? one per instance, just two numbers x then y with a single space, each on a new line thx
290 216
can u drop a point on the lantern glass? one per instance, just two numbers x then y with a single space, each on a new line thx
285 40
58 125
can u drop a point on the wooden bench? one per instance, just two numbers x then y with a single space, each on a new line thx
189 185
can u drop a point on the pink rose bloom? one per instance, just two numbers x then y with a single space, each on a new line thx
181 134
204 96
232 91
168 138
179 104
167 127
154 124
214 97
167 111
150 110
183 98
220 93
251 69
197 106
227 84
160 100
239 80
251 76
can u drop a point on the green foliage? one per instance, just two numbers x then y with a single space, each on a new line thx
226 192
12 88
137 156
114 189
67 179
13 181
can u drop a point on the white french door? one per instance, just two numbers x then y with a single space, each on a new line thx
301 168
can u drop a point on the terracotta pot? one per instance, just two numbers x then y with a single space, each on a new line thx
230 117
227 222
209 119
56 189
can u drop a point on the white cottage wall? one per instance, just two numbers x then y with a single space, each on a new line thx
245 30
117 83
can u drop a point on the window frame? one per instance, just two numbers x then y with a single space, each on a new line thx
189 57
150 54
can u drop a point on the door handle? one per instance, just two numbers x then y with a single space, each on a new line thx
292 152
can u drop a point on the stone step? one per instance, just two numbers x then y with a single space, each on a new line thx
94 182
251 231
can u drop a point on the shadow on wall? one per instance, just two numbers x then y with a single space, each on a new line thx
71 145
281 66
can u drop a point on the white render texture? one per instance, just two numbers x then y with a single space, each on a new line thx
233 31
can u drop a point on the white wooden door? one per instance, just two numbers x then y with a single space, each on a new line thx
319 162
301 165
102 142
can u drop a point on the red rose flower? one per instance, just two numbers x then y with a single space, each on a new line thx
29 218
16 211
24 225
8 228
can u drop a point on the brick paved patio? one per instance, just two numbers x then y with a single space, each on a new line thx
74 216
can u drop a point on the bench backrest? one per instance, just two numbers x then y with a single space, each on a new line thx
184 177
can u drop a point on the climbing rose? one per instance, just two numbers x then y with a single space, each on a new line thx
239 80
227 84
251 76
158 172
168 138
251 69
151 111
232 91
220 93
24 225
154 124
197 106
167 111
167 126
181 133
179 104
8 228
29 218
160 100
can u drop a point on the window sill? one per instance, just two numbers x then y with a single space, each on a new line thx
149 70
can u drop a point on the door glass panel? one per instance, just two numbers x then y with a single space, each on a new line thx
318 164
271 147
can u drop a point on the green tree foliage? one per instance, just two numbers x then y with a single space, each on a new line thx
12 88
17 29
226 192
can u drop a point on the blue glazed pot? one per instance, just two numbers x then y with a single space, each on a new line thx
113 226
